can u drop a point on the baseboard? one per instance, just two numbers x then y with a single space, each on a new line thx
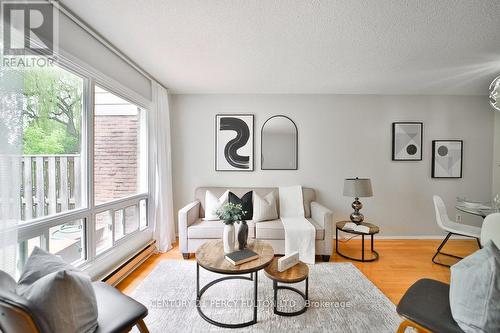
418 237
421 237
122 271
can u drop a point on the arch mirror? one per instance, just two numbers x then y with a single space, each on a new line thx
279 144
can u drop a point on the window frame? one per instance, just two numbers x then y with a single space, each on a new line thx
39 227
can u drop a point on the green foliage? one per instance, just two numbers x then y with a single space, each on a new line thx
37 141
56 141
230 213
52 111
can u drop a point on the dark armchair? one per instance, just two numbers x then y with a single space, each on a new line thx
116 312
426 307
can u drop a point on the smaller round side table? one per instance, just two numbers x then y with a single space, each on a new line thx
295 274
373 230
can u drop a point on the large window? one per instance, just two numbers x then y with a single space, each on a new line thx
119 147
52 178
72 205
120 161
53 173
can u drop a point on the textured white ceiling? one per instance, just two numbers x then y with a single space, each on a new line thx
285 46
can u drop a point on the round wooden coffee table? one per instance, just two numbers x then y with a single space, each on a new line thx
297 273
210 256
373 229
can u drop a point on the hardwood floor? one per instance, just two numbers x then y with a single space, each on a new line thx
401 263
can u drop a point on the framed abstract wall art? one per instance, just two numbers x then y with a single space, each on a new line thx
234 142
407 141
447 158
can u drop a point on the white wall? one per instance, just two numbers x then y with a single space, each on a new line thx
345 136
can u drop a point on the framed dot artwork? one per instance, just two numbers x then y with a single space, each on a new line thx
447 158
407 138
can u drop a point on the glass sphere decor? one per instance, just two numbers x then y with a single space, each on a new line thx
495 93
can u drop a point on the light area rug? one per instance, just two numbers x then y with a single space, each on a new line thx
341 298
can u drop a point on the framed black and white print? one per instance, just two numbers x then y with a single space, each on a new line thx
407 141
447 158
234 142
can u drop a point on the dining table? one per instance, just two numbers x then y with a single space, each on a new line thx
478 210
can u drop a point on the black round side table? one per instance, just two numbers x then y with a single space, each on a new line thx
373 229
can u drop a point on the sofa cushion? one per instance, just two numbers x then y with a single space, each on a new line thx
270 230
274 230
213 203
264 208
245 201
213 229
309 195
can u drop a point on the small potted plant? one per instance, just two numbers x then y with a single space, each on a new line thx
229 214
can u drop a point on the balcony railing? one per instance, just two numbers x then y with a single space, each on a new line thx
50 184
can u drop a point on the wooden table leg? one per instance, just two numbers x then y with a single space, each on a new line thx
141 326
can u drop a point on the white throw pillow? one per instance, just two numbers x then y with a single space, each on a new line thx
212 203
39 264
264 209
66 300
475 291
60 293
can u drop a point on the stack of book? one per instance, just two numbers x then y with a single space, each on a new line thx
240 257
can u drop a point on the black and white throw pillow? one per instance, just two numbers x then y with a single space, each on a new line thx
245 201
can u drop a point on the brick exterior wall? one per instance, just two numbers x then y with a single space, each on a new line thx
116 148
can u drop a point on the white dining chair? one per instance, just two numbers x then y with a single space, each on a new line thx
453 228
491 229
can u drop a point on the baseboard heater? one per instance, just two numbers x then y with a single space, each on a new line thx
123 270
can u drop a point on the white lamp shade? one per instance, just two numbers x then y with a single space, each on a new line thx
358 187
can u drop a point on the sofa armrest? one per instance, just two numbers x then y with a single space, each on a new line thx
324 217
321 214
187 216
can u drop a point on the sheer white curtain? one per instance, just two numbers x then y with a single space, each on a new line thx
161 153
11 104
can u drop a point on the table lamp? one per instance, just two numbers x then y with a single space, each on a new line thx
357 188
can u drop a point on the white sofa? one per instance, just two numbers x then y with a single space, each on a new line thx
194 231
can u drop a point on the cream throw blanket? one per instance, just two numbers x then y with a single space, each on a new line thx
299 232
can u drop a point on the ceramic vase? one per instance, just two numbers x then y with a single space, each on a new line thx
242 235
228 238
